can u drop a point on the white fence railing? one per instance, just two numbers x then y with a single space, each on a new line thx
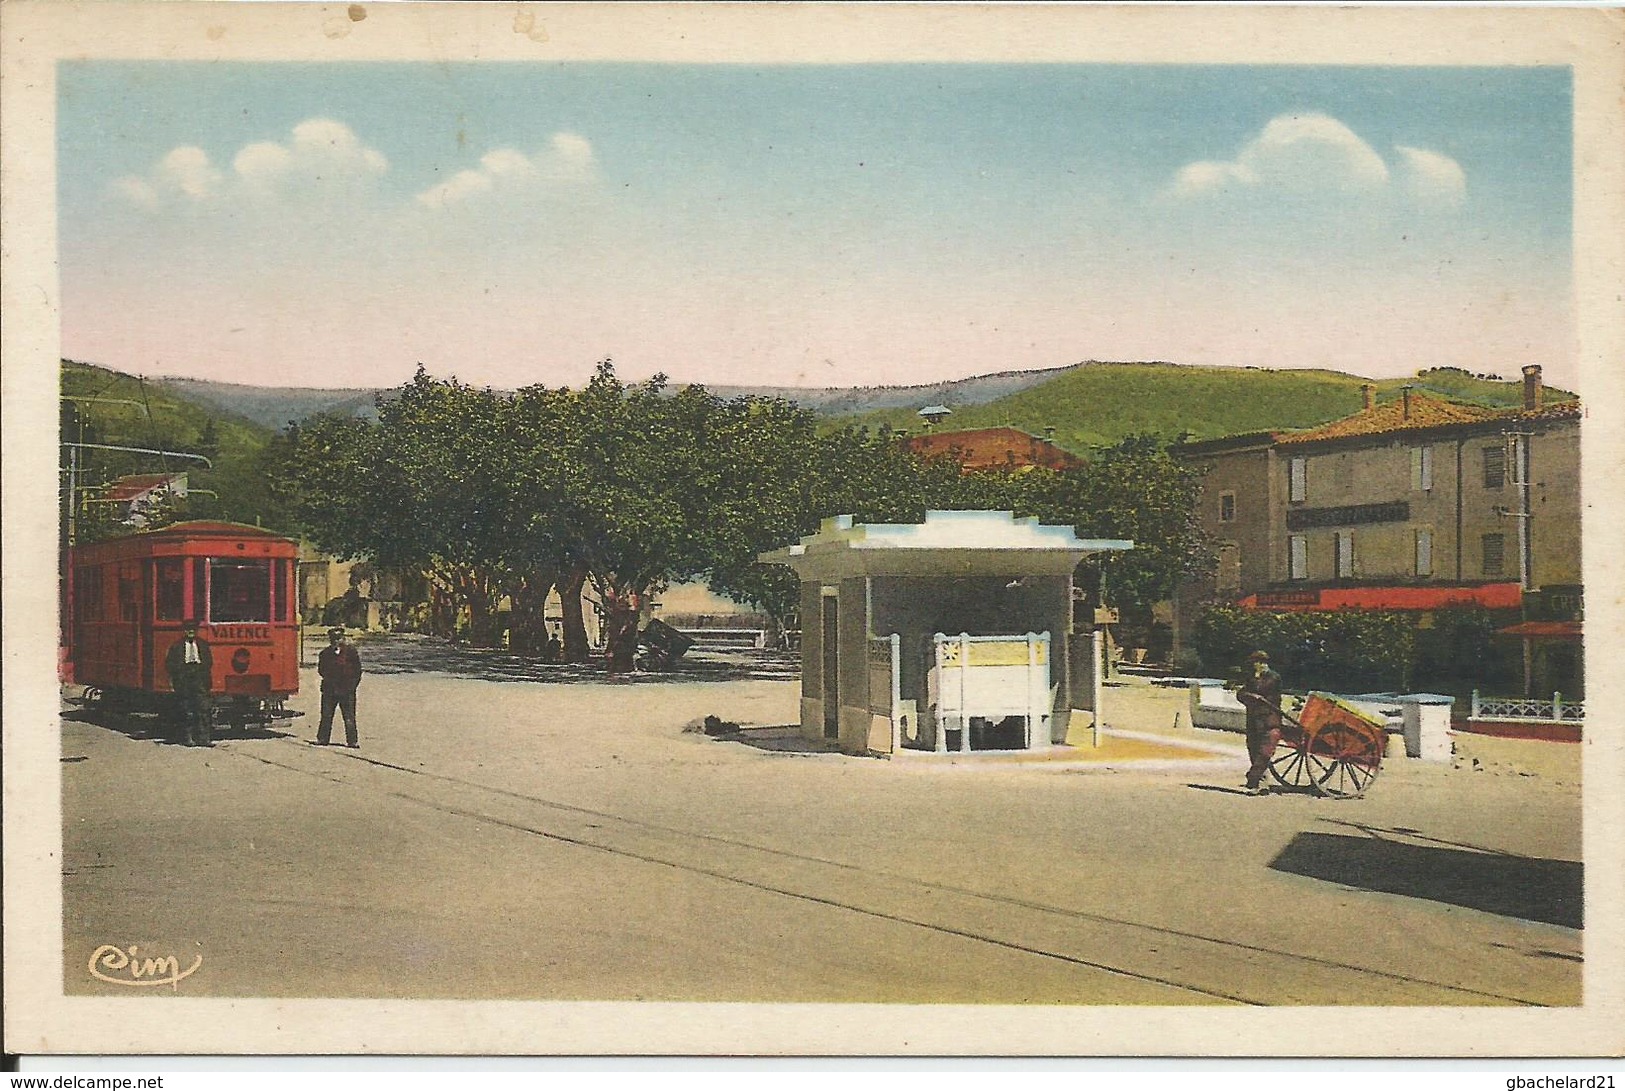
1534 710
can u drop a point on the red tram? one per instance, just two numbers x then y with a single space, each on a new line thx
128 598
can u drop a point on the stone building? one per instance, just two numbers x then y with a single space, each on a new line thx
1416 503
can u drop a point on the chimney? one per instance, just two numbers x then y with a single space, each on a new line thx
1405 396
1369 392
1531 387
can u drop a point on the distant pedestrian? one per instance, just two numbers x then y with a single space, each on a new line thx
339 666
190 664
1261 696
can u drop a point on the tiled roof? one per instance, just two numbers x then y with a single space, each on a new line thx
1426 412
1556 411
137 485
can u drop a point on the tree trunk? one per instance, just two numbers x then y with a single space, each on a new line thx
474 588
528 635
575 628
621 629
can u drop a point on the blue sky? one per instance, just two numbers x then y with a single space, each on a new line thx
303 224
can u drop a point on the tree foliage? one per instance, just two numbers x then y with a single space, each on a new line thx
628 487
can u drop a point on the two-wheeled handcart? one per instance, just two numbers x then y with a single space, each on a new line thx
1329 748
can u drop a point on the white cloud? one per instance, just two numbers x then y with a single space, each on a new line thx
188 170
1430 177
459 187
262 162
568 159
323 142
573 150
319 152
1316 155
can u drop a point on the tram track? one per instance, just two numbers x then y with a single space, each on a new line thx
1169 961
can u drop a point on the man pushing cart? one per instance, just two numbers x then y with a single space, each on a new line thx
1329 747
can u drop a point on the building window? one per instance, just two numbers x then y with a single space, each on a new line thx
1495 550
1345 555
1424 552
1227 507
1421 469
1495 467
1298 479
1298 549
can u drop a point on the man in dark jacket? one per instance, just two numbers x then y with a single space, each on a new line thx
190 663
1261 696
339 666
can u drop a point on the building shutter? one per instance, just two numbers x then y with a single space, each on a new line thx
1495 547
1298 547
1298 479
1421 469
1424 552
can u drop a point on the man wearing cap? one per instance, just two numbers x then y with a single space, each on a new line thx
1261 695
339 666
190 663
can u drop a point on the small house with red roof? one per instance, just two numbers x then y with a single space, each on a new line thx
991 448
138 494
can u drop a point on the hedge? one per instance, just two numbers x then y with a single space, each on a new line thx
1356 651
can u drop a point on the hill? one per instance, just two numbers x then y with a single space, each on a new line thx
275 407
110 407
1098 404
270 407
844 401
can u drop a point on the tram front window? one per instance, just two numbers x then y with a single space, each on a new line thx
239 590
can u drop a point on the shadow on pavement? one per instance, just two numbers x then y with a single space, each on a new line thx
781 739
149 727
1269 790
1547 891
403 653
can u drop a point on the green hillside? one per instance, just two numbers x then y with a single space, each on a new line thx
123 410
1100 403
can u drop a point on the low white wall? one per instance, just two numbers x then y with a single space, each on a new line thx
1420 722
1217 708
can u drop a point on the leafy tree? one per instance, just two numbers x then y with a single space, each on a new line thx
1134 489
793 477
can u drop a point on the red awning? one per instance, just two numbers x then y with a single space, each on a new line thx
1491 596
1543 630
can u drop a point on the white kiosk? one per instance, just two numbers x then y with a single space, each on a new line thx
946 635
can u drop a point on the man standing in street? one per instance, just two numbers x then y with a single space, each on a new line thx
190 663
1261 696
339 666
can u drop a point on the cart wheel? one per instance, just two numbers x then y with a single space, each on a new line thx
1291 765
1350 760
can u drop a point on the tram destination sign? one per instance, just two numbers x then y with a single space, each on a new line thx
1396 511
240 632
